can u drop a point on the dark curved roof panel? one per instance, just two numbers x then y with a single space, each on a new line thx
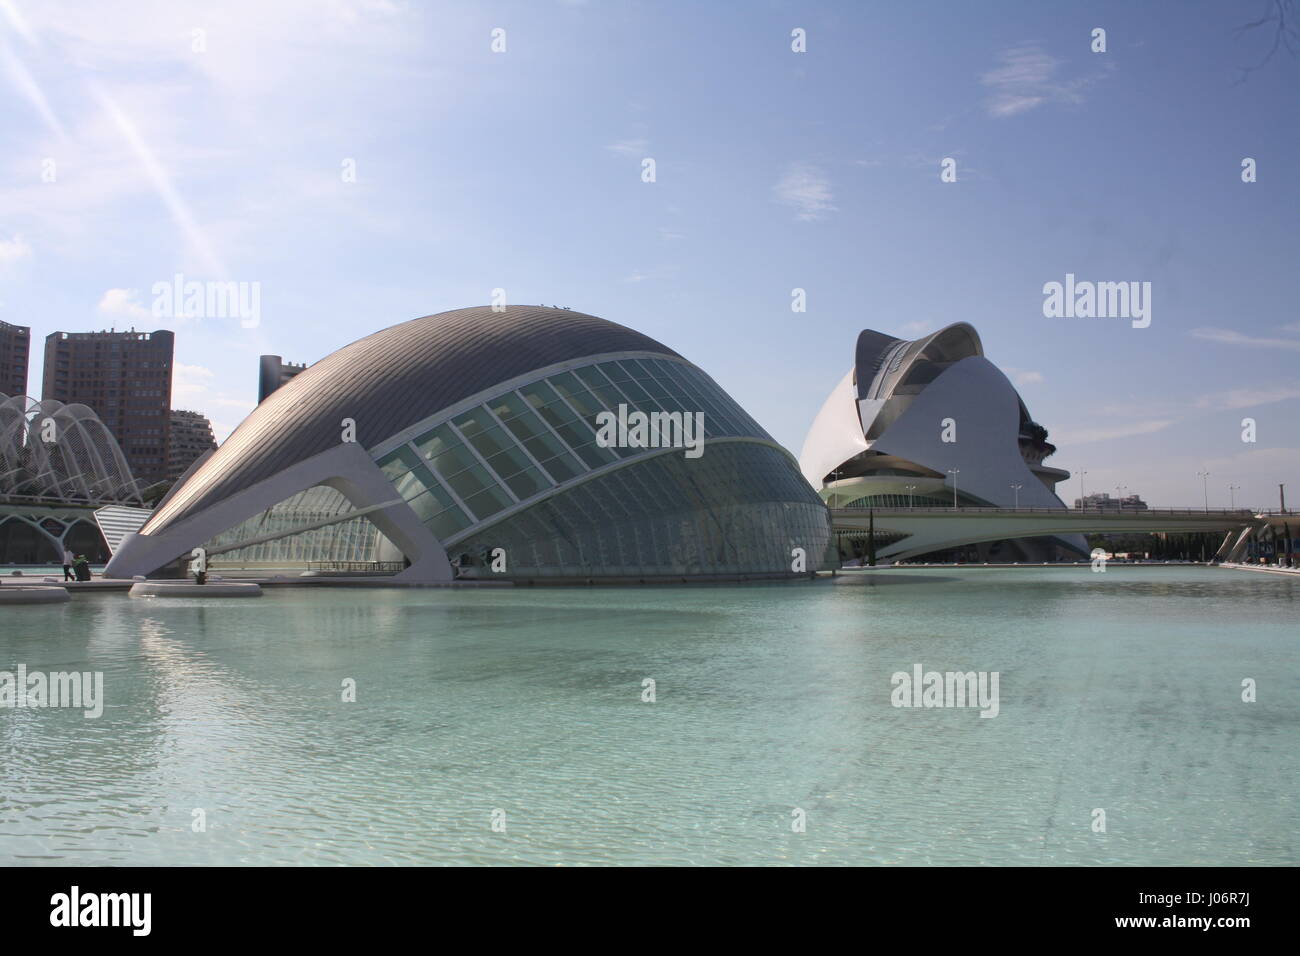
391 380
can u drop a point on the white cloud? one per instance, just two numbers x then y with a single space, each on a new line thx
123 302
1230 337
914 330
190 382
1022 376
808 190
11 250
1025 79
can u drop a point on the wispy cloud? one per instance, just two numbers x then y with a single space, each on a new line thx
808 190
1065 437
1025 78
1231 337
1249 397
629 147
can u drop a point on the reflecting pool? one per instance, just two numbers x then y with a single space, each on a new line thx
771 738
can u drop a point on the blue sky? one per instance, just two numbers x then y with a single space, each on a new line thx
521 170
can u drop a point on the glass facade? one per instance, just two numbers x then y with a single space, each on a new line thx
739 509
351 540
522 443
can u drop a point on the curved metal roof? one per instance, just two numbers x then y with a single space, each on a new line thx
391 380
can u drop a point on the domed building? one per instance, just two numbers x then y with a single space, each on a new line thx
477 439
932 423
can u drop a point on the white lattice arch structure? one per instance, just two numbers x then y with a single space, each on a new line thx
83 462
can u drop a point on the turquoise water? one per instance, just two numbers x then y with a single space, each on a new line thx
1119 691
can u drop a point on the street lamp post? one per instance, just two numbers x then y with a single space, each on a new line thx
1016 489
1083 497
1232 495
910 489
954 472
1205 487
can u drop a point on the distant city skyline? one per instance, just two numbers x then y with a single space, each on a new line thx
150 142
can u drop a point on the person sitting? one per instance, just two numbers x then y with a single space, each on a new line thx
82 568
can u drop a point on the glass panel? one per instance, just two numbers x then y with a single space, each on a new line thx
556 415
563 467
615 372
527 483
414 483
449 522
539 394
594 455
566 384
425 506
474 421
509 462
575 433
508 406
488 502
591 377
545 446
491 441
654 388
452 461
526 426
470 482
434 443
397 462
638 396
637 370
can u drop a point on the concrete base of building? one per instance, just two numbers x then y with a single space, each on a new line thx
49 594
173 589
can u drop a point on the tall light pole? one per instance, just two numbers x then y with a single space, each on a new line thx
1205 486
910 489
954 472
1016 489
1083 503
1232 495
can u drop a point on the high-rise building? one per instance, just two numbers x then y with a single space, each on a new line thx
272 373
126 378
15 349
191 436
